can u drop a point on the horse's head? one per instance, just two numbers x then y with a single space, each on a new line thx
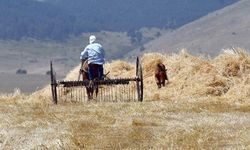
84 65
83 72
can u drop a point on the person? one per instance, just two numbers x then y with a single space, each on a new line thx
94 53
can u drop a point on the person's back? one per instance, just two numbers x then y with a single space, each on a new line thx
94 52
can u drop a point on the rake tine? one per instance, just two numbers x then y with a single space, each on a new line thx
109 93
104 93
82 94
64 93
125 93
110 88
71 94
115 93
81 89
134 92
120 89
100 92
112 91
59 93
108 99
77 96
129 93
74 92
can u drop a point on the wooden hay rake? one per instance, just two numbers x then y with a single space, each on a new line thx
109 90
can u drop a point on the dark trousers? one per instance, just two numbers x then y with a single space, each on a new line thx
95 71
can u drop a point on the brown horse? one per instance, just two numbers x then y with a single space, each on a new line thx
91 88
160 74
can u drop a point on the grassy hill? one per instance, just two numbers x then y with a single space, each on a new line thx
229 27
58 20
24 83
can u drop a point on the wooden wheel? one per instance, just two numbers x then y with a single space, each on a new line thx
139 82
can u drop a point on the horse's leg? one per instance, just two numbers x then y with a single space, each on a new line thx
163 77
159 85
88 93
91 93
166 79
95 87
163 82
87 90
91 89
157 80
96 90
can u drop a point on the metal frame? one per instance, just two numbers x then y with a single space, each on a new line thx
138 80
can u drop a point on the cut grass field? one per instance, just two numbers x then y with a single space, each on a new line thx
206 105
148 125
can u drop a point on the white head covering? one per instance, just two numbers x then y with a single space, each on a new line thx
92 39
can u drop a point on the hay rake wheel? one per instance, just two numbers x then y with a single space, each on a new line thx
110 90
53 84
139 82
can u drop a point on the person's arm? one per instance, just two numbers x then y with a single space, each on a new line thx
84 54
103 54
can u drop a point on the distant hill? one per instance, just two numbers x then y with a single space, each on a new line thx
225 28
59 19
26 18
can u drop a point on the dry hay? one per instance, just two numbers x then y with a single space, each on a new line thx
206 104
225 76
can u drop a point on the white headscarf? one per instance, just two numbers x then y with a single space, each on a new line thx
92 39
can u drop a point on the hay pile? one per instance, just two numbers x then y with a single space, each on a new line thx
226 76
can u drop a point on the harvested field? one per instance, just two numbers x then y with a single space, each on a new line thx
206 105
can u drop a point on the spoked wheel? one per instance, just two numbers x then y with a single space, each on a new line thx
139 82
53 84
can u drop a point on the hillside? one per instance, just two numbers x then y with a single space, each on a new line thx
59 19
229 27
23 83
206 104
35 55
